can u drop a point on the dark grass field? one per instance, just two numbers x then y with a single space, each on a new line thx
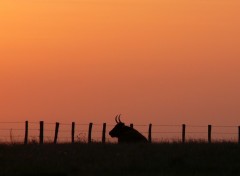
164 159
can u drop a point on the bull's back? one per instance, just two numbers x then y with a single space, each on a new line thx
132 136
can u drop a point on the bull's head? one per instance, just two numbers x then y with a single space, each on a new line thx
118 129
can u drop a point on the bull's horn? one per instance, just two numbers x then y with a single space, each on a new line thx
119 118
116 119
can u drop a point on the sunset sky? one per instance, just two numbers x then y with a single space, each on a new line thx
158 61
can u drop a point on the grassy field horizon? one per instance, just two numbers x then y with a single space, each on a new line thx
191 158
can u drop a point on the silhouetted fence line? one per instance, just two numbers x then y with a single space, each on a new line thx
104 133
239 134
88 132
56 132
73 132
26 133
150 133
183 133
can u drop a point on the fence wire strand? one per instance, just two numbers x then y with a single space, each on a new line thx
82 133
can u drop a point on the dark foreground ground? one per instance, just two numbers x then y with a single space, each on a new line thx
221 159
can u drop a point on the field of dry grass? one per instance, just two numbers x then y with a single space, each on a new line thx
162 159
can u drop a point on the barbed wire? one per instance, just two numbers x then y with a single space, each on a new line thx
223 133
76 123
33 122
196 132
11 129
197 126
219 126
67 124
97 130
49 123
12 122
166 125
81 124
166 132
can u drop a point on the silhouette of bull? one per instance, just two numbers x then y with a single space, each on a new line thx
126 134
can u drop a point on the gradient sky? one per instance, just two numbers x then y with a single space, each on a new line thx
159 61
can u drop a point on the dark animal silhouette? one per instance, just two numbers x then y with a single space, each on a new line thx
126 134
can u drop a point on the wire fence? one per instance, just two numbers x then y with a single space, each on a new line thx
48 132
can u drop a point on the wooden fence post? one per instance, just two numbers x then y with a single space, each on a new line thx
131 125
183 133
56 132
239 134
41 132
104 133
150 133
209 133
90 133
26 133
73 131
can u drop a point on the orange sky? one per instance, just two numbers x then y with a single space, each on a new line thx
159 61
